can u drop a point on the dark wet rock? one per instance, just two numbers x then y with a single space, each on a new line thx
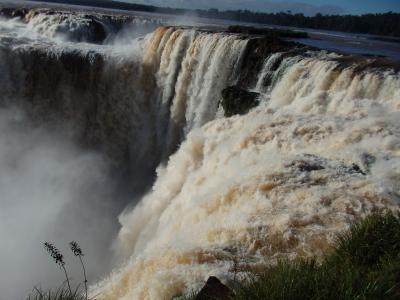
13 12
96 34
74 88
310 163
257 50
356 169
314 164
214 289
237 101
364 63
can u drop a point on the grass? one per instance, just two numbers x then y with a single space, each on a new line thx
268 32
364 264
64 292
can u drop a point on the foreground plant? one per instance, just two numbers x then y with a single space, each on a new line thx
59 260
64 292
364 264
77 251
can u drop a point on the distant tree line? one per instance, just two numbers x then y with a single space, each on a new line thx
379 24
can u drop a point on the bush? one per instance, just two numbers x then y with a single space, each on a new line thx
364 264
369 241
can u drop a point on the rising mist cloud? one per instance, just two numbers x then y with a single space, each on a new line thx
51 190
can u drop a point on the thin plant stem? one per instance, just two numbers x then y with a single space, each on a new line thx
66 276
84 274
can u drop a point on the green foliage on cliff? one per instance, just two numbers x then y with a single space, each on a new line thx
364 264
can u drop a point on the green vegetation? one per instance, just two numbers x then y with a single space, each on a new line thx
268 32
64 292
365 264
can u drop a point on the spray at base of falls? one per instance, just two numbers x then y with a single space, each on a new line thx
321 151
154 91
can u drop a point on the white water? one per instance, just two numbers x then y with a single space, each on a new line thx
267 72
194 68
238 189
130 92
277 182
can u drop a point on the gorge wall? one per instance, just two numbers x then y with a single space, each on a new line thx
317 148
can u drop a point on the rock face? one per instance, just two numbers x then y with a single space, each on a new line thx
237 101
13 12
258 49
214 289
74 88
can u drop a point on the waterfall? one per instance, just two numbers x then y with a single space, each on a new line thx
321 151
194 68
155 92
267 72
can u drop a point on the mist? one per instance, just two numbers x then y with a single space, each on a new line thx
52 190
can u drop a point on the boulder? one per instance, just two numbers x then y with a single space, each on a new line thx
214 289
238 101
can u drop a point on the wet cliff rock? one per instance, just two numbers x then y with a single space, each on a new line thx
214 289
257 50
74 88
237 101
8 12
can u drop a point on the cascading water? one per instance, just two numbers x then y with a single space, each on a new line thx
194 69
161 88
125 99
321 149
267 73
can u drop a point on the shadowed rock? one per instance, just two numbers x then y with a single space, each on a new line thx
257 50
237 101
214 289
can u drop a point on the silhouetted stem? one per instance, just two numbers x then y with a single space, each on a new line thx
66 276
84 274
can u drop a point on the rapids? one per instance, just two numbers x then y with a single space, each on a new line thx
320 150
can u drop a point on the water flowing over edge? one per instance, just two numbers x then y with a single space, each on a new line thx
320 150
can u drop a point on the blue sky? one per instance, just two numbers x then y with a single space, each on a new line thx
305 6
358 6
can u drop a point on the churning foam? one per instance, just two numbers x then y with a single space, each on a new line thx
320 151
191 69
